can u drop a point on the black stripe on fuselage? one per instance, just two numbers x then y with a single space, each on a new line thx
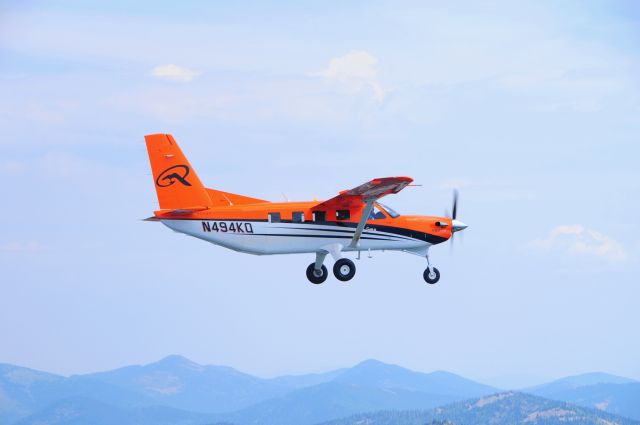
413 234
398 231
316 236
351 232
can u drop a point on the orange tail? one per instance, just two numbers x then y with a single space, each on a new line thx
177 184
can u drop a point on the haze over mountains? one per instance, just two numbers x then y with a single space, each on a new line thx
176 390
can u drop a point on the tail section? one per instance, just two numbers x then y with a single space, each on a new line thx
177 184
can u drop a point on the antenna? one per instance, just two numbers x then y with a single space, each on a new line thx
228 200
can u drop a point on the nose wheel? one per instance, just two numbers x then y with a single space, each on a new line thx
431 275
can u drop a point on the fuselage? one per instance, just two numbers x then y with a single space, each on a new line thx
304 227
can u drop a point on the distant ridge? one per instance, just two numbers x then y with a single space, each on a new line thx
369 385
86 411
575 381
178 382
193 394
24 391
509 408
603 391
376 373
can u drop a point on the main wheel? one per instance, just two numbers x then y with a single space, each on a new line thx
316 276
344 269
431 276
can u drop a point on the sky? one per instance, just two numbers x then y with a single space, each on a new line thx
531 109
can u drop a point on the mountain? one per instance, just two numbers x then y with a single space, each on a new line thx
178 391
172 382
182 384
610 393
508 408
16 387
370 385
621 399
24 391
301 381
82 411
183 387
576 381
373 373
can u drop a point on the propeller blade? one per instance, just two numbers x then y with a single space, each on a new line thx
453 216
455 204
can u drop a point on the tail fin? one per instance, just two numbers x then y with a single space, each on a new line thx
177 184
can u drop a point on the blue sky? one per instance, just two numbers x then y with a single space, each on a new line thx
531 109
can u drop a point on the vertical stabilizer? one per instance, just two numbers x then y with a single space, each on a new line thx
177 184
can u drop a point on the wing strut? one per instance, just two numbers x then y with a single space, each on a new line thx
363 221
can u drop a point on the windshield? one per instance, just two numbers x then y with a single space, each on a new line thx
389 210
376 214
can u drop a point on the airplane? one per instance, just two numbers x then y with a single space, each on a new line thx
352 221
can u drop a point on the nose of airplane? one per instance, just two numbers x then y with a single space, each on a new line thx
457 225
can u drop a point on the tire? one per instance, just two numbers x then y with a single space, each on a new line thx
312 276
344 269
431 278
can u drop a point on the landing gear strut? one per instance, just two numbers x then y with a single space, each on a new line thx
344 269
431 275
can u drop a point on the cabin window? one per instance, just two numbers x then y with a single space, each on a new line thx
343 214
274 217
297 217
320 216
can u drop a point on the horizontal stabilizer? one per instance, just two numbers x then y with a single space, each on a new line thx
179 211
219 197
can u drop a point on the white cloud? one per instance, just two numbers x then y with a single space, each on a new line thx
173 72
355 71
579 240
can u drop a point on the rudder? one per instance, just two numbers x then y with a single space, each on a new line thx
177 184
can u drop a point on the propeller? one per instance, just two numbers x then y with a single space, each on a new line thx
456 225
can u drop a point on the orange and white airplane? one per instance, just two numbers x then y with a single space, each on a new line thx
353 221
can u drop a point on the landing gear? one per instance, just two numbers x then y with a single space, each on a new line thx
344 269
317 276
431 275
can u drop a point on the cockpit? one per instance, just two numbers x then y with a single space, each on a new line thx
381 211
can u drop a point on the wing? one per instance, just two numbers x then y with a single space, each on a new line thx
365 195
375 189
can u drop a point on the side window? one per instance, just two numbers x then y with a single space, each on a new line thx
297 217
343 214
274 217
320 216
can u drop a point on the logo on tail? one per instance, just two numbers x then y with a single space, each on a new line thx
177 173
